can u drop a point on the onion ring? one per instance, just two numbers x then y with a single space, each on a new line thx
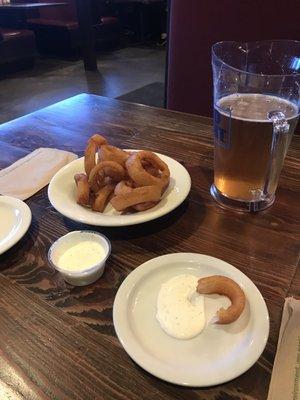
98 139
151 169
125 187
145 206
112 153
83 189
102 197
127 199
229 288
139 174
102 170
141 177
94 143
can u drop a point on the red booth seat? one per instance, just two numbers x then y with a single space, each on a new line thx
53 22
57 31
196 24
56 28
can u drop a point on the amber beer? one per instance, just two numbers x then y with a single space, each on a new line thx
243 138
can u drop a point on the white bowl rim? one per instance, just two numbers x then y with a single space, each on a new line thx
84 271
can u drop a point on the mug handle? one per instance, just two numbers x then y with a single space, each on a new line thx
279 148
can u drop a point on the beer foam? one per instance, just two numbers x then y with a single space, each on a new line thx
255 107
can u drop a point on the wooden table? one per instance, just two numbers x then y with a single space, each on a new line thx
58 341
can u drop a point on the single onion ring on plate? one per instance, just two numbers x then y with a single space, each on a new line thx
82 189
102 197
105 169
112 153
94 143
130 198
141 176
229 288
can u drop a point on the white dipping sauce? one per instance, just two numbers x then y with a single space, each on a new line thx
81 256
180 309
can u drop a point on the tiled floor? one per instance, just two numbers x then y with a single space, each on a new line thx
52 80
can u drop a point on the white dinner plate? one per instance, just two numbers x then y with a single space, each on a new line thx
218 354
15 219
62 190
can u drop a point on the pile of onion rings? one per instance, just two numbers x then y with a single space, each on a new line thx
131 182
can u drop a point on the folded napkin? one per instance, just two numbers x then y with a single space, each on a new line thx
285 380
30 174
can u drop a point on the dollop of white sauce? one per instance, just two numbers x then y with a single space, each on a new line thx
81 256
180 308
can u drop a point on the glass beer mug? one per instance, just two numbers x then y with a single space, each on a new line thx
256 109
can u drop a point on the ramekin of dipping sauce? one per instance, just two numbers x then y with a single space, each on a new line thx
80 256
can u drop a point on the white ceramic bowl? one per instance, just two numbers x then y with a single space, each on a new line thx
84 276
62 195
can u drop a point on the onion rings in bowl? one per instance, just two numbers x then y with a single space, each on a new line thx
62 192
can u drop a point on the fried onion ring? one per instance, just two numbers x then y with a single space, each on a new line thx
112 153
152 170
125 187
92 147
229 288
135 179
141 176
132 197
102 197
98 139
145 206
83 189
102 170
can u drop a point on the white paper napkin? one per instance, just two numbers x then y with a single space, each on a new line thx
285 380
30 174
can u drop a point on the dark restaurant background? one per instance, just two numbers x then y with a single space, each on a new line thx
41 50
153 52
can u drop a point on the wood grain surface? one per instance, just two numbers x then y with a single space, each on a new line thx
58 341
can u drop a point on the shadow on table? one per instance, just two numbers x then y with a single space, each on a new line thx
185 227
22 250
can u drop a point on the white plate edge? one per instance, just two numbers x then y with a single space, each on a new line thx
27 218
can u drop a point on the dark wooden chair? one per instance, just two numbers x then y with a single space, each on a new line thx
57 31
17 49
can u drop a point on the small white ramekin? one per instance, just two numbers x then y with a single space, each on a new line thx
85 276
